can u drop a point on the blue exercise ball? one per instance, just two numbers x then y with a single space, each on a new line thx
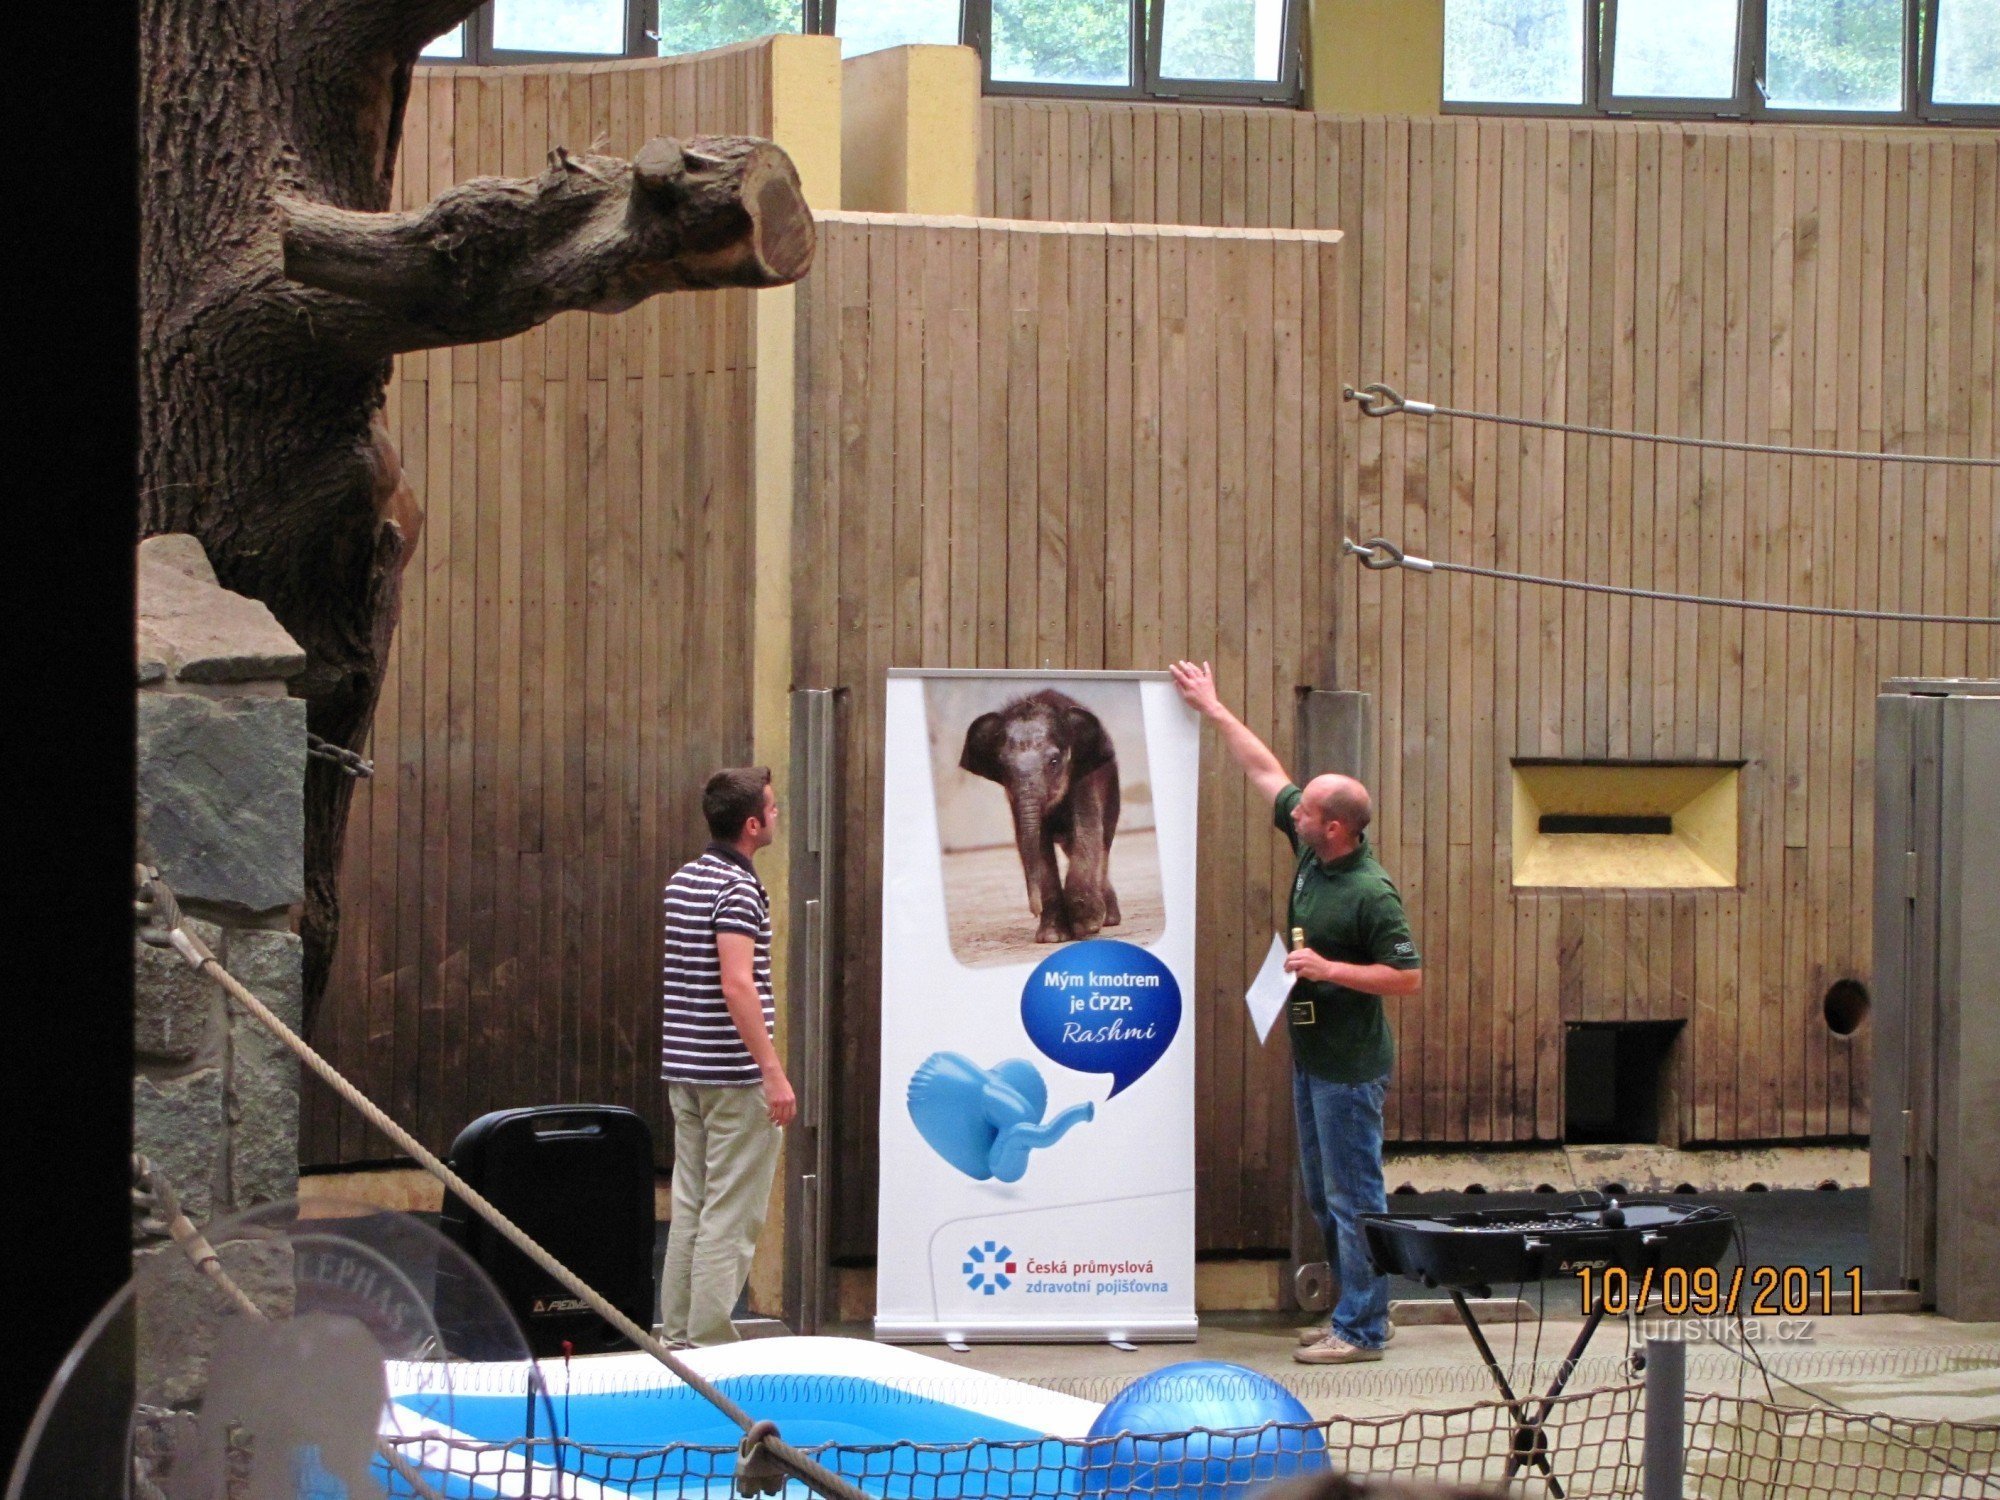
1200 1430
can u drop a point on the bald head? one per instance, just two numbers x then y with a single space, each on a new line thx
1341 799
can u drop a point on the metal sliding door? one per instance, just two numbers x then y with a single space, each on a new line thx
1934 1151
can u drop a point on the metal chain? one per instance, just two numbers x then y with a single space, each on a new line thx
350 761
764 1461
1380 400
1379 553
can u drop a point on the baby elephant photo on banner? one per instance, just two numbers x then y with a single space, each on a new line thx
1045 815
1060 772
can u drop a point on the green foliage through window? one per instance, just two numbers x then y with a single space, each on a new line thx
1062 41
1675 49
1814 57
1221 49
697 25
1968 54
871 25
1221 39
1514 51
1835 54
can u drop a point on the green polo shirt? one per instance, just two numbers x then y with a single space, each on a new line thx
1351 914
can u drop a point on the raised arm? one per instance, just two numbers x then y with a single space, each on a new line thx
1197 686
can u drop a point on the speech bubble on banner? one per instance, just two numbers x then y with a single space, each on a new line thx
1102 1006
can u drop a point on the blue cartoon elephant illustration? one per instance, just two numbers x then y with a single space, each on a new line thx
986 1121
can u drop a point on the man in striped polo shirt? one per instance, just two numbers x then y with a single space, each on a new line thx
728 1090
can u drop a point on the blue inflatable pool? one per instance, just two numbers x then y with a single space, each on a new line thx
903 1425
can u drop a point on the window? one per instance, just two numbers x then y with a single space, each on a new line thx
1073 43
514 31
871 25
448 48
584 28
1676 49
1141 49
1514 52
697 25
1834 55
1866 60
1964 61
1233 48
1246 50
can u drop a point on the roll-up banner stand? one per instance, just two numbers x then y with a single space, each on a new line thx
1037 1130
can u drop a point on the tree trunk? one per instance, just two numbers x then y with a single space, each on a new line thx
275 287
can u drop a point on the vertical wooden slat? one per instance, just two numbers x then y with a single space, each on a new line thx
1830 285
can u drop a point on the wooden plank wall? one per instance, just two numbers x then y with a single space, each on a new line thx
1809 285
572 658
1069 446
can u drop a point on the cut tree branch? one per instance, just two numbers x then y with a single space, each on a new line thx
496 256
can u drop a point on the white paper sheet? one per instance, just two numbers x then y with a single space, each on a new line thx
1267 992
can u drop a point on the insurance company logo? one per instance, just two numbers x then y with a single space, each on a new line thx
989 1268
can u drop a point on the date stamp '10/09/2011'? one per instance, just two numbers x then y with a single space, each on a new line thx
1745 1291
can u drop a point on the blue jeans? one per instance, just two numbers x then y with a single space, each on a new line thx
1340 1158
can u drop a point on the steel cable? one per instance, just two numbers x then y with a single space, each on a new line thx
1379 553
1379 400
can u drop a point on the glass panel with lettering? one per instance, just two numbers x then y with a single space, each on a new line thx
1834 54
1222 40
1675 49
697 25
1062 41
1513 51
1968 53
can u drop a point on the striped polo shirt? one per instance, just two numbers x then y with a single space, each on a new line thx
719 892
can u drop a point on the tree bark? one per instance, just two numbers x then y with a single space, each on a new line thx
275 287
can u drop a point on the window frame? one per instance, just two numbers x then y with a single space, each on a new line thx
1586 108
1929 112
1286 89
641 20
1762 110
1920 19
1743 76
975 30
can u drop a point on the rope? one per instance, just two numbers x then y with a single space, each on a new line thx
1380 400
1379 553
156 1200
764 1459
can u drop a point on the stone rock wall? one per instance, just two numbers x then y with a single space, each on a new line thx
221 778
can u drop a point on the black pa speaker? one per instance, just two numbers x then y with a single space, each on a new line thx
578 1178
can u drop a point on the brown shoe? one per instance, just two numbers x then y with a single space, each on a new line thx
1312 1334
1333 1350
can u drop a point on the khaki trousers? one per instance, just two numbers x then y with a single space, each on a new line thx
725 1155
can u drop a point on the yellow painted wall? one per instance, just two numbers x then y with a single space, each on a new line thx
1376 57
910 131
1700 852
805 120
805 112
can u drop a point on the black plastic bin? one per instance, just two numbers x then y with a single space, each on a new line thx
579 1179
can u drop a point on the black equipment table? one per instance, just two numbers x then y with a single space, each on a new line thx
1471 1252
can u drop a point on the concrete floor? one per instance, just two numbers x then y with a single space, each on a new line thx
1900 1364
1910 1365
1915 1365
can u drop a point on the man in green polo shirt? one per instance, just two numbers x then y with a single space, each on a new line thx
1351 946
